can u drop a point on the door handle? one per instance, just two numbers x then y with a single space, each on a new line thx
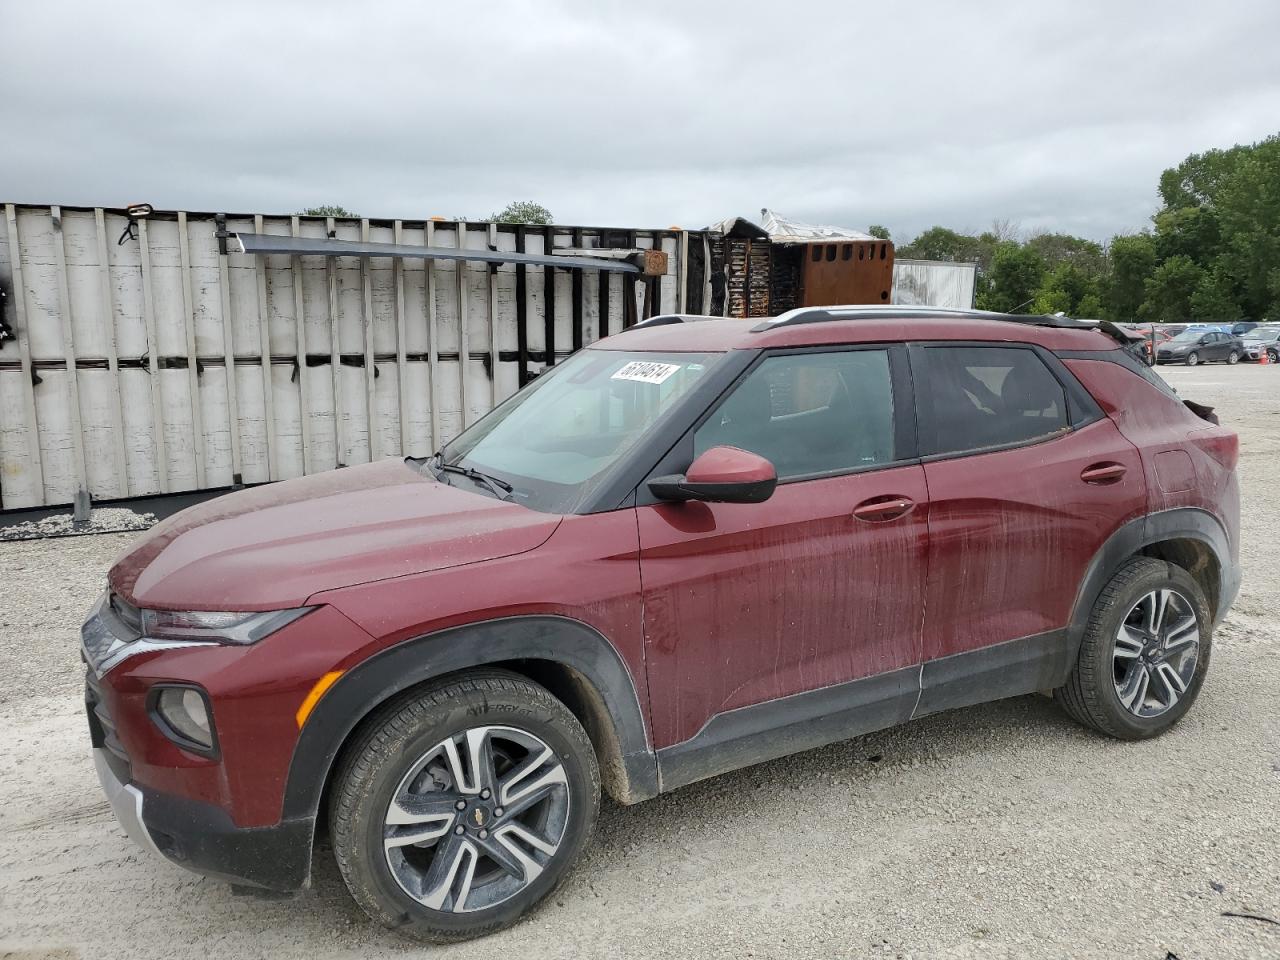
1103 473
880 509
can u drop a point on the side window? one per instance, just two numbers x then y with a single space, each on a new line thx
810 413
987 397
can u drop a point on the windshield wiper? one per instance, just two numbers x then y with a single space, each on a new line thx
501 489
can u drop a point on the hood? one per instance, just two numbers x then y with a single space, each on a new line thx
276 545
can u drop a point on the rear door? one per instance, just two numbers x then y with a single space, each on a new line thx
1219 346
747 606
1026 480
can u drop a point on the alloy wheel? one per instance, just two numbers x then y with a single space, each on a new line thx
1232 357
476 819
1193 358
1156 652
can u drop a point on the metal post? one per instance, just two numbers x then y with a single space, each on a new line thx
153 361
108 322
370 368
264 339
193 365
300 351
229 353
397 269
68 345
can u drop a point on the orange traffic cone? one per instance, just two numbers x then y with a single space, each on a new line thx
1264 357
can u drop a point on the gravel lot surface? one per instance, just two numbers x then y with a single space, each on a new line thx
996 831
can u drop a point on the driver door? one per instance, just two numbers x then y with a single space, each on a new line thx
796 621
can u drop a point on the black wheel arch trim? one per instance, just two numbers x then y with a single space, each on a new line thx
1179 523
562 640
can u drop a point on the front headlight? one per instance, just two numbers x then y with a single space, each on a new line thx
213 626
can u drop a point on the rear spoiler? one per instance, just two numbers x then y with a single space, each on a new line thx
1201 411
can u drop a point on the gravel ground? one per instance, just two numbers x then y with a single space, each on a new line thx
996 831
100 520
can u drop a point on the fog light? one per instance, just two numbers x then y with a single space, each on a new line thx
186 712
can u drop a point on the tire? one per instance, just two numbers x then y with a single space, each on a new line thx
1273 356
1106 669
401 755
1193 358
1233 357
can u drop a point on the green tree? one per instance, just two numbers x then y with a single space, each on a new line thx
1122 292
1196 180
1061 248
879 232
1189 232
523 211
1246 200
1069 289
1214 300
1169 290
1017 272
328 210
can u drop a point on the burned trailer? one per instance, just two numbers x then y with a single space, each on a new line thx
761 270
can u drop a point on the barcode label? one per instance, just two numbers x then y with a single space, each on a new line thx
646 371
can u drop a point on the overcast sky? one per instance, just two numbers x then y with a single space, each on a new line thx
1055 116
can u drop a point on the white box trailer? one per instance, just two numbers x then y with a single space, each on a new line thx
150 356
934 283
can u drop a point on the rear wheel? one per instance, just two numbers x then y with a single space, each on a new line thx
1193 358
1233 356
460 809
1144 654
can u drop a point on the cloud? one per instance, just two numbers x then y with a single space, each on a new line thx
1054 117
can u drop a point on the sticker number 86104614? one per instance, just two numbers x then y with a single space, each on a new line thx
646 371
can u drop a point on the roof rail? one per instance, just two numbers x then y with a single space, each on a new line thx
802 315
663 319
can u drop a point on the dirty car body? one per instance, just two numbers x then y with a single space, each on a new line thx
708 544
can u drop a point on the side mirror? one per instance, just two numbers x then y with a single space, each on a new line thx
720 475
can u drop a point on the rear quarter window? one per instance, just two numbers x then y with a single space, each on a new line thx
976 397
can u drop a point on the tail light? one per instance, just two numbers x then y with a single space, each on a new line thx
1222 445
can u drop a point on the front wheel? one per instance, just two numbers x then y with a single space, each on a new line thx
460 809
1273 356
1233 357
1193 358
1144 653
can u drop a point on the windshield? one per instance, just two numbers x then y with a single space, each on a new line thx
556 439
1262 334
1187 336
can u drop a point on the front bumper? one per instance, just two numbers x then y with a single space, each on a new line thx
202 838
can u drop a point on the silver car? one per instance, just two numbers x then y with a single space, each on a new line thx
1261 340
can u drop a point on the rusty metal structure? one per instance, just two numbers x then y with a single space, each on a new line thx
758 272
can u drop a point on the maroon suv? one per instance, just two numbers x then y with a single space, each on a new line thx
691 547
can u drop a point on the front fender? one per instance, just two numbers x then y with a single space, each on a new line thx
550 638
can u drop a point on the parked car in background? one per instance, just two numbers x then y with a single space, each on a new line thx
1262 340
1154 337
1194 346
690 547
1240 329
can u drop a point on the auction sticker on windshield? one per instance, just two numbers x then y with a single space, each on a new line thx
646 371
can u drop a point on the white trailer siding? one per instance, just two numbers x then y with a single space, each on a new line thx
138 367
932 283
